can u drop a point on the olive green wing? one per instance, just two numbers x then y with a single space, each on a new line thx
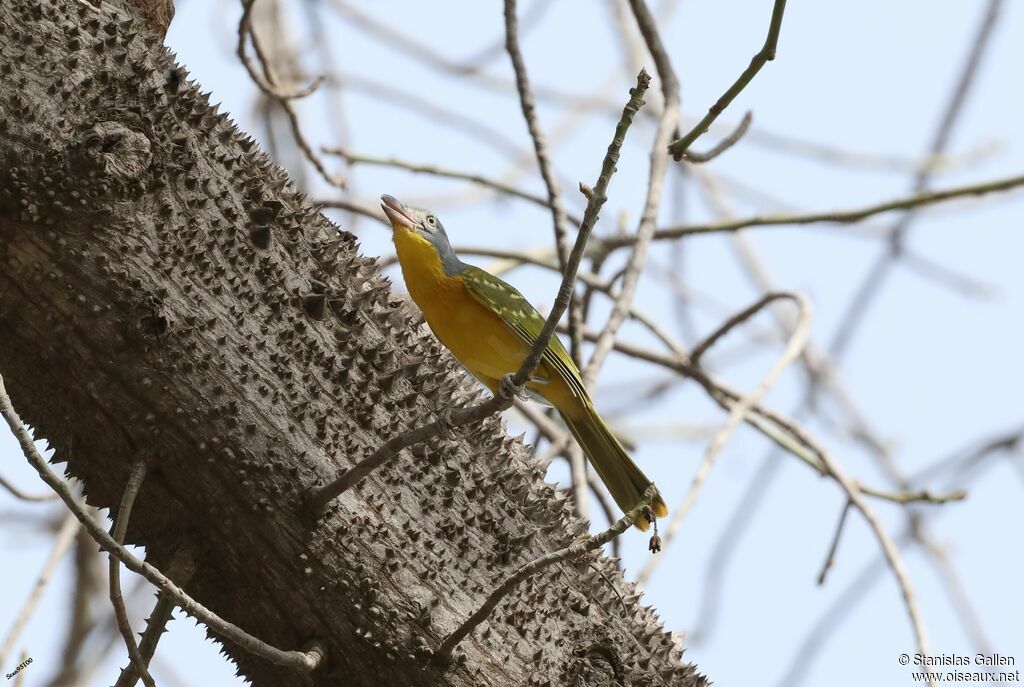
522 318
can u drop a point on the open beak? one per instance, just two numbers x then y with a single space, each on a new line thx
396 212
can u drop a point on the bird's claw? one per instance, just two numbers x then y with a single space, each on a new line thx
509 388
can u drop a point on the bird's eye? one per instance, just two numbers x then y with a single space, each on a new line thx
431 221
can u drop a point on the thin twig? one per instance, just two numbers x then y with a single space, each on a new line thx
678 149
820 368
953 111
436 170
957 594
407 42
561 444
124 512
601 496
19 494
723 145
180 570
357 207
61 543
821 630
431 110
965 459
866 161
738 412
875 278
830 217
782 431
411 45
318 499
607 580
531 20
667 123
734 321
300 660
848 600
540 148
107 637
267 84
88 583
937 273
889 549
737 524
444 652
578 479
830 558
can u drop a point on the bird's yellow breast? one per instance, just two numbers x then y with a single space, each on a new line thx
480 340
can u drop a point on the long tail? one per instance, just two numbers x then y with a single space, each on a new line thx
625 481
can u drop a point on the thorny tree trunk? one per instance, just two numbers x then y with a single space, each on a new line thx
164 289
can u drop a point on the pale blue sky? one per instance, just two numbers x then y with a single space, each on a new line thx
931 370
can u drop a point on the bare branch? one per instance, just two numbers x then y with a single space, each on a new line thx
732 531
875 278
784 432
830 558
824 153
723 145
300 660
436 170
540 148
954 110
531 19
667 123
579 480
268 86
109 637
831 217
837 612
833 618
61 544
738 412
889 549
733 322
609 510
432 111
180 570
88 584
19 494
357 207
267 82
444 652
958 595
678 149
124 512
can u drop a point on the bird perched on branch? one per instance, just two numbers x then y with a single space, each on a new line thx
490 328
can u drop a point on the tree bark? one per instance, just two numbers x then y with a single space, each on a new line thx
164 289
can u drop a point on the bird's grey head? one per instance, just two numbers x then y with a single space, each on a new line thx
426 225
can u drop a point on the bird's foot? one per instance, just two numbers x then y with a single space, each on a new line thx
509 388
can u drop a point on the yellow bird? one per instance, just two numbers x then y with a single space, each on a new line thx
490 327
